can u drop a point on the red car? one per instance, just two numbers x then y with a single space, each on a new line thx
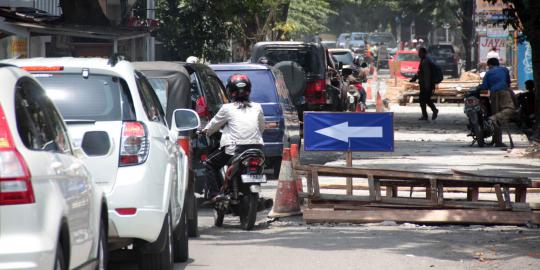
404 64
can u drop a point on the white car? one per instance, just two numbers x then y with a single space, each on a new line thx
52 215
132 153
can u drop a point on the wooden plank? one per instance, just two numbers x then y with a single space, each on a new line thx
454 216
372 188
521 194
349 178
394 174
500 198
440 194
506 196
315 180
391 191
472 193
433 196
309 183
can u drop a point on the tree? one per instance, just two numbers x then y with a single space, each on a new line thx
308 16
84 12
193 27
524 16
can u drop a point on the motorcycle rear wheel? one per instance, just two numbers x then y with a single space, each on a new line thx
248 212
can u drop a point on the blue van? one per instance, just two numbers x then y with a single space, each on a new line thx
268 89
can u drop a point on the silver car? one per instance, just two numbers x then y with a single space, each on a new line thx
52 216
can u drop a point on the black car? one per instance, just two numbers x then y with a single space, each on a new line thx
445 56
321 87
268 89
190 86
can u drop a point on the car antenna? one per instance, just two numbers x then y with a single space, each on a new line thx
115 58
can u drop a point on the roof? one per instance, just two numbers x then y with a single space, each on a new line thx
284 43
339 50
157 66
239 66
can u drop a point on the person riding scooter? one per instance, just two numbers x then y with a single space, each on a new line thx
241 123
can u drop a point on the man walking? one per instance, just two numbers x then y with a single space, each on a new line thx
497 80
425 77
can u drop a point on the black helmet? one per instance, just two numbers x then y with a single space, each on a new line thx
238 87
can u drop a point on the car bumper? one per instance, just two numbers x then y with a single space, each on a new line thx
136 187
27 251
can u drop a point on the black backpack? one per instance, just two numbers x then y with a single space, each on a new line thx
437 72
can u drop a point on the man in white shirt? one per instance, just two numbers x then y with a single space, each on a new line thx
493 54
241 123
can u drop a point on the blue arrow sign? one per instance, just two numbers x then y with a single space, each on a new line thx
348 131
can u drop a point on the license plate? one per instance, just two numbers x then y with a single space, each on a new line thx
253 178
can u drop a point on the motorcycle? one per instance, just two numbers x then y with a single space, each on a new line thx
478 109
356 94
241 186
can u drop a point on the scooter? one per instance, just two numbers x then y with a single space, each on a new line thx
356 96
241 185
478 109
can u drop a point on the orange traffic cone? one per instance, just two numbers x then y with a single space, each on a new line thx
368 90
286 202
378 103
294 158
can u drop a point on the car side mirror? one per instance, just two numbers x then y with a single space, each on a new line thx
185 119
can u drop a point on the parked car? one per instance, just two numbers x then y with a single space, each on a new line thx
358 41
191 86
52 215
323 88
132 155
445 56
404 64
268 89
343 40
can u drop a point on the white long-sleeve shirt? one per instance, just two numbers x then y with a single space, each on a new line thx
239 126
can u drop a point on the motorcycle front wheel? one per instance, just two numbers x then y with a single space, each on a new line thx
219 216
248 213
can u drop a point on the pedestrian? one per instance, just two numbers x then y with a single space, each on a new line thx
425 77
493 54
497 80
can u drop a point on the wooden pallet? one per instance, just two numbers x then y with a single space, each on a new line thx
435 185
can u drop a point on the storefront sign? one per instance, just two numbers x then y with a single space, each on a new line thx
483 7
486 43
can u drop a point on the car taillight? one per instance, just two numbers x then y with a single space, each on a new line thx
201 107
134 144
185 144
315 93
15 185
271 125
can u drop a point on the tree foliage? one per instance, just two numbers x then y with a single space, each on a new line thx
308 16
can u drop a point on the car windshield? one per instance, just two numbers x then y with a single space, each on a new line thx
160 87
408 57
96 98
344 36
300 56
263 88
386 39
344 57
358 37
442 51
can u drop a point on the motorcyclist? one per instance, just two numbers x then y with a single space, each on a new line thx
497 80
241 123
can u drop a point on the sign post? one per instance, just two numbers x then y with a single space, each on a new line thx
359 132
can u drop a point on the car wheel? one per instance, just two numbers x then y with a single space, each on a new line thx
193 222
181 246
59 261
103 252
162 260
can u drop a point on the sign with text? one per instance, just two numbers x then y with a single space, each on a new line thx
326 131
486 43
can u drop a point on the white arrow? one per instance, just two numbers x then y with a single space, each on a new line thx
343 132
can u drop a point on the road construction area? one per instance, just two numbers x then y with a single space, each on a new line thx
434 146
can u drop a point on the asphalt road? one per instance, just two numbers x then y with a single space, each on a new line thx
427 146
